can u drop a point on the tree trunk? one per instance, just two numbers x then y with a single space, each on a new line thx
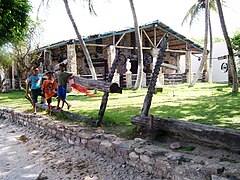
229 47
151 88
98 85
138 82
210 68
83 45
106 94
205 51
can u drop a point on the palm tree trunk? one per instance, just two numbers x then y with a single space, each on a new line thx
229 47
138 83
205 51
210 69
82 43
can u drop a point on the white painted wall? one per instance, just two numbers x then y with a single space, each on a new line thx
219 49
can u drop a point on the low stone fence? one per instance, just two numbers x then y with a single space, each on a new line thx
161 162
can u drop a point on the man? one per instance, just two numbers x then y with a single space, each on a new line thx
62 85
35 80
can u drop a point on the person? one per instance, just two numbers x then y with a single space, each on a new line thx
35 80
49 87
62 86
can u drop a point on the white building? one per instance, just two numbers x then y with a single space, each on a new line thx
220 73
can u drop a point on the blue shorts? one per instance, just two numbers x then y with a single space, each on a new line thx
62 91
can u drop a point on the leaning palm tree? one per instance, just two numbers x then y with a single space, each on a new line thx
193 13
82 43
205 51
229 47
138 83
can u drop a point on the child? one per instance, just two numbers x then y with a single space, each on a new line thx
62 85
35 79
48 87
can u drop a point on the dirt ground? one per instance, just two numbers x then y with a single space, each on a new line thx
28 155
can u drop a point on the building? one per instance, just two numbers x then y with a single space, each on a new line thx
104 47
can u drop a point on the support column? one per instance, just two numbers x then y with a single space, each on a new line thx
47 64
111 54
71 58
188 69
13 78
178 63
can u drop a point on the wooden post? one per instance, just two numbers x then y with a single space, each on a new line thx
151 88
178 63
188 70
106 94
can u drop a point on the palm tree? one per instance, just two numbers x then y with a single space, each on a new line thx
82 43
194 11
205 51
138 83
229 47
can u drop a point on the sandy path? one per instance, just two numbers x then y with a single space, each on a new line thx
43 157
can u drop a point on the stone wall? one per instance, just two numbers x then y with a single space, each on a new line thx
144 155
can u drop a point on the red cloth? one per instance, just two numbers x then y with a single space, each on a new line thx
79 88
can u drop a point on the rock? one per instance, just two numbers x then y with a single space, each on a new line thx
214 168
175 156
175 145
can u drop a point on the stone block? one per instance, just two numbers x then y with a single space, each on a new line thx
106 147
214 168
133 156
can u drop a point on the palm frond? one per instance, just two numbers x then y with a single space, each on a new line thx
91 7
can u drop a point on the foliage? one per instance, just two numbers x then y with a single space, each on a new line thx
14 18
196 10
236 41
211 104
218 39
23 56
6 57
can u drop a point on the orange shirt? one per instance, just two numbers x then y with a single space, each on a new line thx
49 87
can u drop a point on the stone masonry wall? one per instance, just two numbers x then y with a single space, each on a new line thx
144 155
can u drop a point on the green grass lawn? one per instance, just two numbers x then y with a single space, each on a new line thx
211 104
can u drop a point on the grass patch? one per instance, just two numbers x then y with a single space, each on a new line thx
211 104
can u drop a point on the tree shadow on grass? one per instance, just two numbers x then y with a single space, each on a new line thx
214 110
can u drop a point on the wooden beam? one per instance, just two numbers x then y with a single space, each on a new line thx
160 40
200 133
148 38
120 39
169 66
124 47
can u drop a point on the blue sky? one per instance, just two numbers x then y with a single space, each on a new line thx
116 15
